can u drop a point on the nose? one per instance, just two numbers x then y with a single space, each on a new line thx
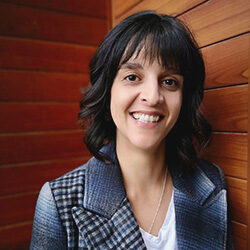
150 92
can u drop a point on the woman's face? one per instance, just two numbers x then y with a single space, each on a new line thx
145 103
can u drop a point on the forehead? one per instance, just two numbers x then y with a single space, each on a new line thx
142 60
147 53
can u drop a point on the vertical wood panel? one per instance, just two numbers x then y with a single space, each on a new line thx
83 7
170 7
226 108
25 54
16 237
28 86
227 62
217 20
45 48
47 25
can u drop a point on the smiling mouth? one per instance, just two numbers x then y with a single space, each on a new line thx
145 118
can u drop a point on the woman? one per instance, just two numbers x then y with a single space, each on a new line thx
145 186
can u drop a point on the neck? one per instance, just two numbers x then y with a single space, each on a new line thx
142 170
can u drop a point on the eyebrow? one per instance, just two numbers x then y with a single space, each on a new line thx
129 65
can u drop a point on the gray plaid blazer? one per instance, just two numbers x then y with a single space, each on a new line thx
88 209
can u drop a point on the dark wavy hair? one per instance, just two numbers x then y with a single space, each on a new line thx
170 41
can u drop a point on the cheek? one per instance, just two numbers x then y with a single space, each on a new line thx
174 103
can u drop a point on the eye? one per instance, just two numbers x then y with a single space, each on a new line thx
170 82
132 78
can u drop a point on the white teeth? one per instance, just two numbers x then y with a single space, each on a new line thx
146 118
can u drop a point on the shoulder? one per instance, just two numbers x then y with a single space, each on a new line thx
71 179
213 173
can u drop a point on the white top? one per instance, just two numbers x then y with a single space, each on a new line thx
166 239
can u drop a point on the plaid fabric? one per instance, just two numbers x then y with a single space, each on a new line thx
88 230
95 213
68 191
120 232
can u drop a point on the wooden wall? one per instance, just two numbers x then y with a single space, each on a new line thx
45 48
222 31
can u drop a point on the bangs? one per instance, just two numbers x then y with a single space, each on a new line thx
155 41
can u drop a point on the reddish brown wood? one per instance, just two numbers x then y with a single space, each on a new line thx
236 183
121 7
227 62
238 204
16 237
25 22
16 209
26 147
24 117
170 7
215 20
30 176
37 86
48 56
226 108
229 151
95 8
240 235
237 193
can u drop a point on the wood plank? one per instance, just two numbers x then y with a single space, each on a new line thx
227 62
29 177
236 183
25 22
16 237
121 7
83 7
38 116
238 204
226 108
240 235
41 86
26 147
229 151
48 56
169 7
16 209
215 20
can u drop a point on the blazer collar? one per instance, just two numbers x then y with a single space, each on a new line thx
104 189
105 192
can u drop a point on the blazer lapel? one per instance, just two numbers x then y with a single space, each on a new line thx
106 220
121 231
201 217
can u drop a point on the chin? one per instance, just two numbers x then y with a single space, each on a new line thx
145 144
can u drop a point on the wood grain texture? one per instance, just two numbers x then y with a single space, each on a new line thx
237 194
16 237
170 7
236 183
121 7
25 22
41 86
240 235
24 117
25 54
26 147
227 62
29 177
229 151
226 108
16 209
95 8
215 20
238 204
